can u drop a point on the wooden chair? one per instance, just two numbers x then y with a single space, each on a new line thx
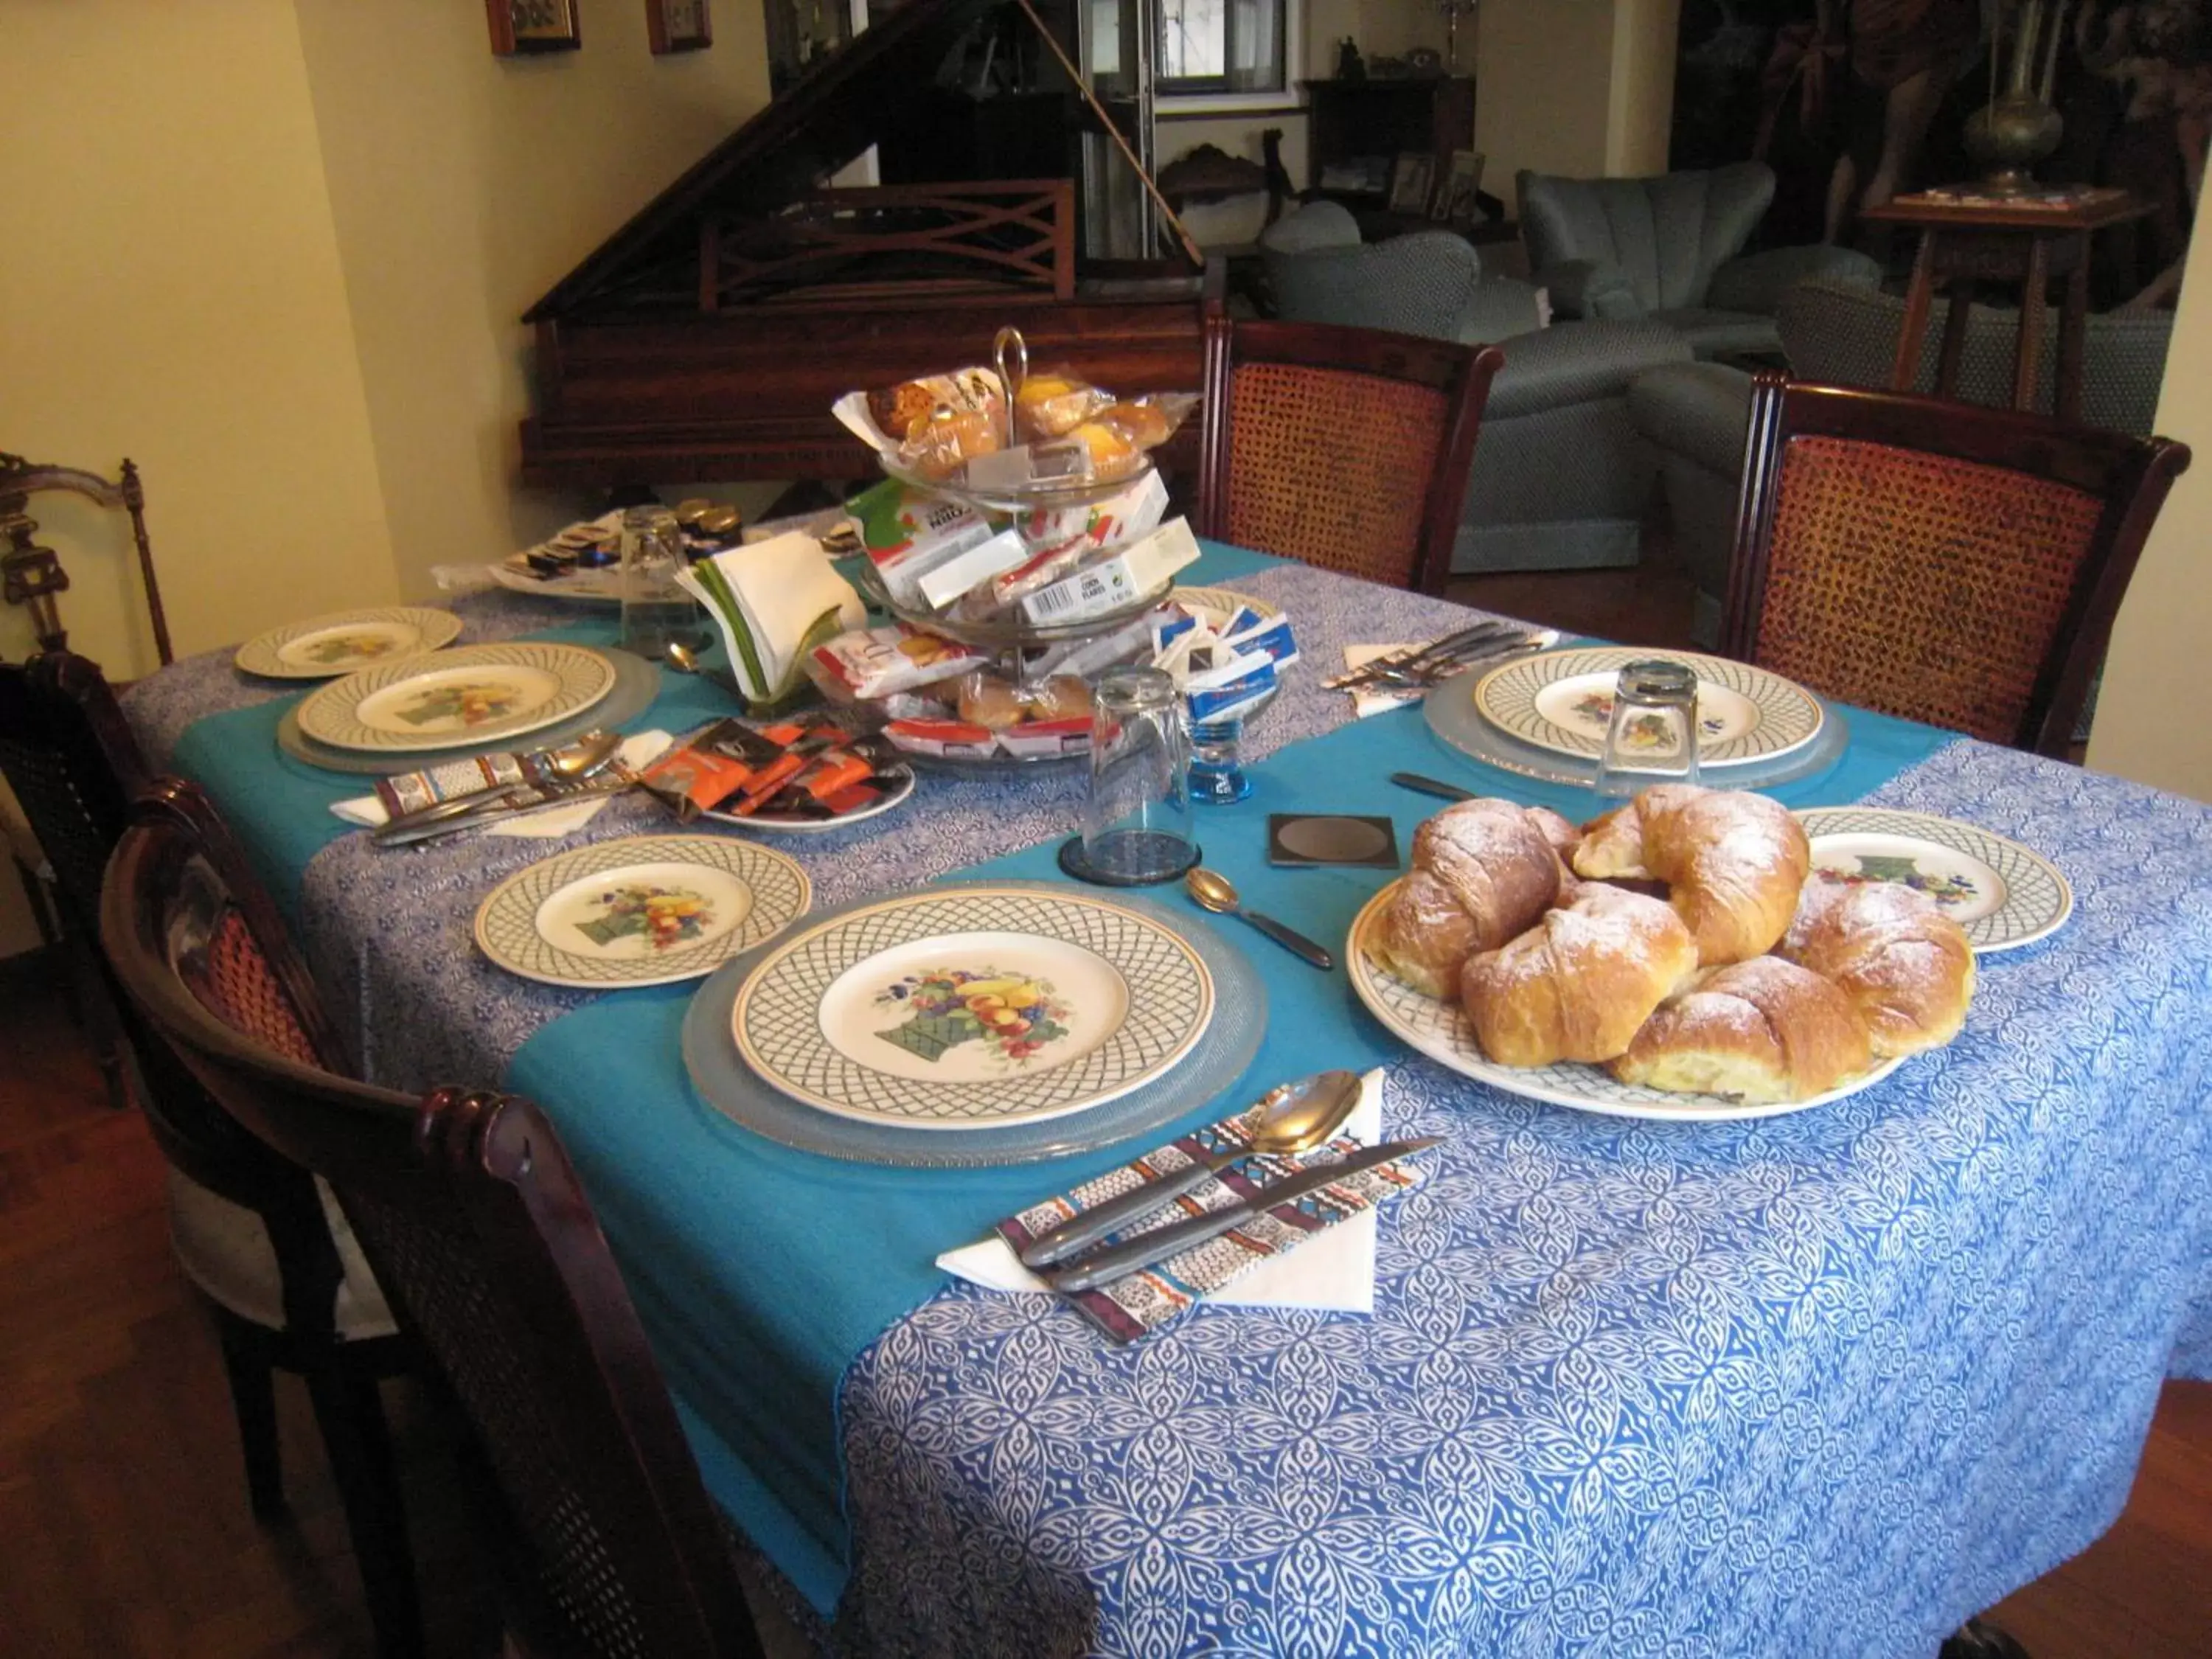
278 1272
31 575
1344 448
466 1204
1948 563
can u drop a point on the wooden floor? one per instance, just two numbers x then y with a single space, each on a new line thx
124 1527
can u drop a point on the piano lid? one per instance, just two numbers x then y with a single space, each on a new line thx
839 109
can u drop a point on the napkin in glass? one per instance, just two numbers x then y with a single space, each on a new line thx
774 602
1321 1255
411 792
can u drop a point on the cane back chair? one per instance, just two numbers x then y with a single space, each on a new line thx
1950 564
275 1267
469 1209
1344 447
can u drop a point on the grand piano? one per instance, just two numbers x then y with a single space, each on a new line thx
706 338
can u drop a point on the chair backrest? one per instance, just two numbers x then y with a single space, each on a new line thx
1845 334
468 1210
1667 234
68 756
1344 448
1950 564
32 575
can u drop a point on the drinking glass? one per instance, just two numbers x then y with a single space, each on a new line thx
1217 761
656 611
1137 818
1652 737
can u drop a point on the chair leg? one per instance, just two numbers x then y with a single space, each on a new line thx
1976 1640
253 1402
351 1413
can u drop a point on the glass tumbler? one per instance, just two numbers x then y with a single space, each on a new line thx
1137 818
656 611
1652 736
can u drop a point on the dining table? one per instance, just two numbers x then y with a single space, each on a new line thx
1823 1383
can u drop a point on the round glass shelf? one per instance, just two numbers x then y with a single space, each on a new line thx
1040 496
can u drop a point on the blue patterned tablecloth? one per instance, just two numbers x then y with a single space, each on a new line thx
1822 1383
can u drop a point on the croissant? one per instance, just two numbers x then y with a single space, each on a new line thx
1578 984
1907 968
1765 1030
1482 871
1733 862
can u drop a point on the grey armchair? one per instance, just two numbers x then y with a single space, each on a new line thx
1559 477
1669 250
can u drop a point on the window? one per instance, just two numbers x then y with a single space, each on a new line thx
1209 47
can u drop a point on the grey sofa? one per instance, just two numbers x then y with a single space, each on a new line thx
1559 478
1669 250
1694 414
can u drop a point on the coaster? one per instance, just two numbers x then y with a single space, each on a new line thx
1311 838
1146 861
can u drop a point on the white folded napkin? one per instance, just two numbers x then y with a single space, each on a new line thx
783 589
1333 1270
548 823
1379 700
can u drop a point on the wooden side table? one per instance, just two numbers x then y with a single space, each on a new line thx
1967 239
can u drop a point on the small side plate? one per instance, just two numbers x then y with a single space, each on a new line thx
324 647
2004 894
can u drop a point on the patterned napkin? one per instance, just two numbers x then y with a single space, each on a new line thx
1379 700
1264 1260
411 792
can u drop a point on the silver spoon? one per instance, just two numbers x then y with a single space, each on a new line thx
680 657
1214 892
1291 1117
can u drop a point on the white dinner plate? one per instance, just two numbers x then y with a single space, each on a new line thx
324 647
644 910
1442 1031
455 699
1562 701
2002 894
974 1009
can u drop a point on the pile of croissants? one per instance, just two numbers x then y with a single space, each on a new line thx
1676 941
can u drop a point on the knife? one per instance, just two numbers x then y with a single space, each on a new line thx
1160 1242
1430 786
1405 656
513 802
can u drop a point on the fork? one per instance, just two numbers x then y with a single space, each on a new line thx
1413 658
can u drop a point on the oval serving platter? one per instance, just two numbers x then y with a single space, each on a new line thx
1441 1031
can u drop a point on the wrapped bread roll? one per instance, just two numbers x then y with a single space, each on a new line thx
1734 862
1482 872
1763 1031
1907 968
1578 984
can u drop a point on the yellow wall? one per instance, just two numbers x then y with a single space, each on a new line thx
1543 98
2147 726
173 292
463 186
1640 103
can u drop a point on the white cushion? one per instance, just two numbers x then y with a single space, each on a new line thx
224 1250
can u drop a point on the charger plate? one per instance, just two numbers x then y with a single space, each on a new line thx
1440 1030
323 648
458 699
1450 711
1209 1066
637 683
643 910
1562 702
2002 894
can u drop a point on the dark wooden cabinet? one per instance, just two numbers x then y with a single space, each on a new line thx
1353 123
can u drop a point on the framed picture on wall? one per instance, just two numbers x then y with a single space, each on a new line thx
527 26
1410 182
677 24
1462 182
